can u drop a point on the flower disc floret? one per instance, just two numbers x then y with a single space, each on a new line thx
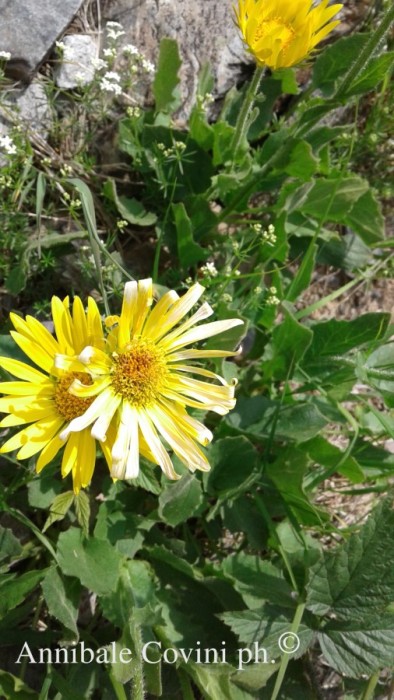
139 373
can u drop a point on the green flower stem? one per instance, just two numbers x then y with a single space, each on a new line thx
242 124
369 691
368 51
286 657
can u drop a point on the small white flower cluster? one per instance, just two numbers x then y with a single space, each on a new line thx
110 82
7 145
5 55
175 150
131 50
6 181
121 224
227 298
257 290
272 299
66 170
133 112
114 30
209 270
203 101
268 236
109 53
98 63
148 66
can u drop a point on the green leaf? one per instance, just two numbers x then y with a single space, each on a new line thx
82 509
42 490
180 500
189 252
256 415
359 647
59 602
213 681
14 590
329 455
94 562
130 209
258 580
376 70
17 278
303 163
165 84
59 508
330 64
265 626
13 688
287 474
10 547
304 274
330 199
135 589
357 579
233 460
366 219
290 341
222 145
339 337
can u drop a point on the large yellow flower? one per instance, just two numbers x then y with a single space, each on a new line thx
42 398
281 33
141 383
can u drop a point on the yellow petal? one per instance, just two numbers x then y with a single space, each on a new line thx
22 371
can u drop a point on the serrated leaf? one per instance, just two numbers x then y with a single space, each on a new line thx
376 70
165 84
265 627
10 547
82 509
59 508
59 603
14 590
357 579
258 580
339 337
94 562
329 65
360 647
180 500
330 199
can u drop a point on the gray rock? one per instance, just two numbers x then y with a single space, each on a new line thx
29 28
28 108
76 67
205 31
34 110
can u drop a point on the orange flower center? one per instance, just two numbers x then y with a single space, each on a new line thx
273 30
139 372
68 405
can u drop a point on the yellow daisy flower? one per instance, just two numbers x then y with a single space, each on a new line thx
281 33
142 386
42 397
